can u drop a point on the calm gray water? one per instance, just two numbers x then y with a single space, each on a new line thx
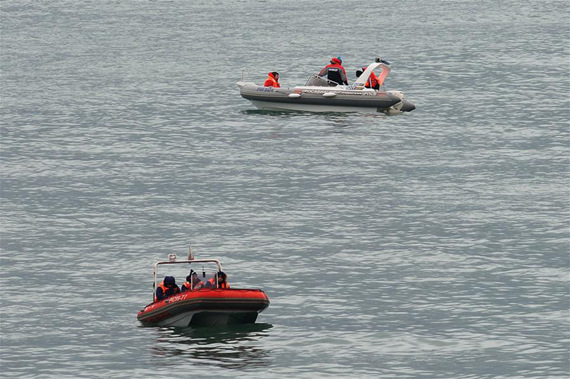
432 244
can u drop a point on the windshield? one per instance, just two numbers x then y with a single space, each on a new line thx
319 81
188 272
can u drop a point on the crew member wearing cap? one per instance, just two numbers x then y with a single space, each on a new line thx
272 80
334 71
167 288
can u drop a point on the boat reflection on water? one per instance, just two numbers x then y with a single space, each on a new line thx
231 346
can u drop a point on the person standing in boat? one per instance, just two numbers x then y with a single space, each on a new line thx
167 288
335 72
272 80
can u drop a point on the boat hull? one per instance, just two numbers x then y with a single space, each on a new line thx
323 99
206 307
299 107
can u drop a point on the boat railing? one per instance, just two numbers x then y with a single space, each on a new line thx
245 71
190 261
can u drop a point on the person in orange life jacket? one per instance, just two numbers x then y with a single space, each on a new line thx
221 281
272 80
192 282
372 80
167 288
334 71
193 278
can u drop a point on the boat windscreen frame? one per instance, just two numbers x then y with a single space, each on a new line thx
363 78
173 262
330 83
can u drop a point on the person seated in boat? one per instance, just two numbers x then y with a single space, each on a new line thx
211 283
167 288
372 80
197 283
272 80
186 286
222 281
334 71
193 282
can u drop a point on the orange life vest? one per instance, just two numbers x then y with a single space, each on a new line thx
187 286
271 81
372 81
165 288
198 285
212 284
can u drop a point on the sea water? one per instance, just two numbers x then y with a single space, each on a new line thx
429 244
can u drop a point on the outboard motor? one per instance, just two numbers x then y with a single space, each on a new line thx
403 105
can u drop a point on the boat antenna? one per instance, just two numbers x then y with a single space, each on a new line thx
190 254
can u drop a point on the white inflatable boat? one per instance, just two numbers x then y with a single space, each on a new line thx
322 95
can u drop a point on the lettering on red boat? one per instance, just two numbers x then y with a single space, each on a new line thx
174 298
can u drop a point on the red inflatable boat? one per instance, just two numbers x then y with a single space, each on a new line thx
204 306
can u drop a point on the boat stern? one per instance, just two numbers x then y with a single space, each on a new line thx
401 104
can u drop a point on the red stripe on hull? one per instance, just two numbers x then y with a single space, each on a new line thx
206 306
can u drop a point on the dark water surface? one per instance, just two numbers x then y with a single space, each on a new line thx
430 244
